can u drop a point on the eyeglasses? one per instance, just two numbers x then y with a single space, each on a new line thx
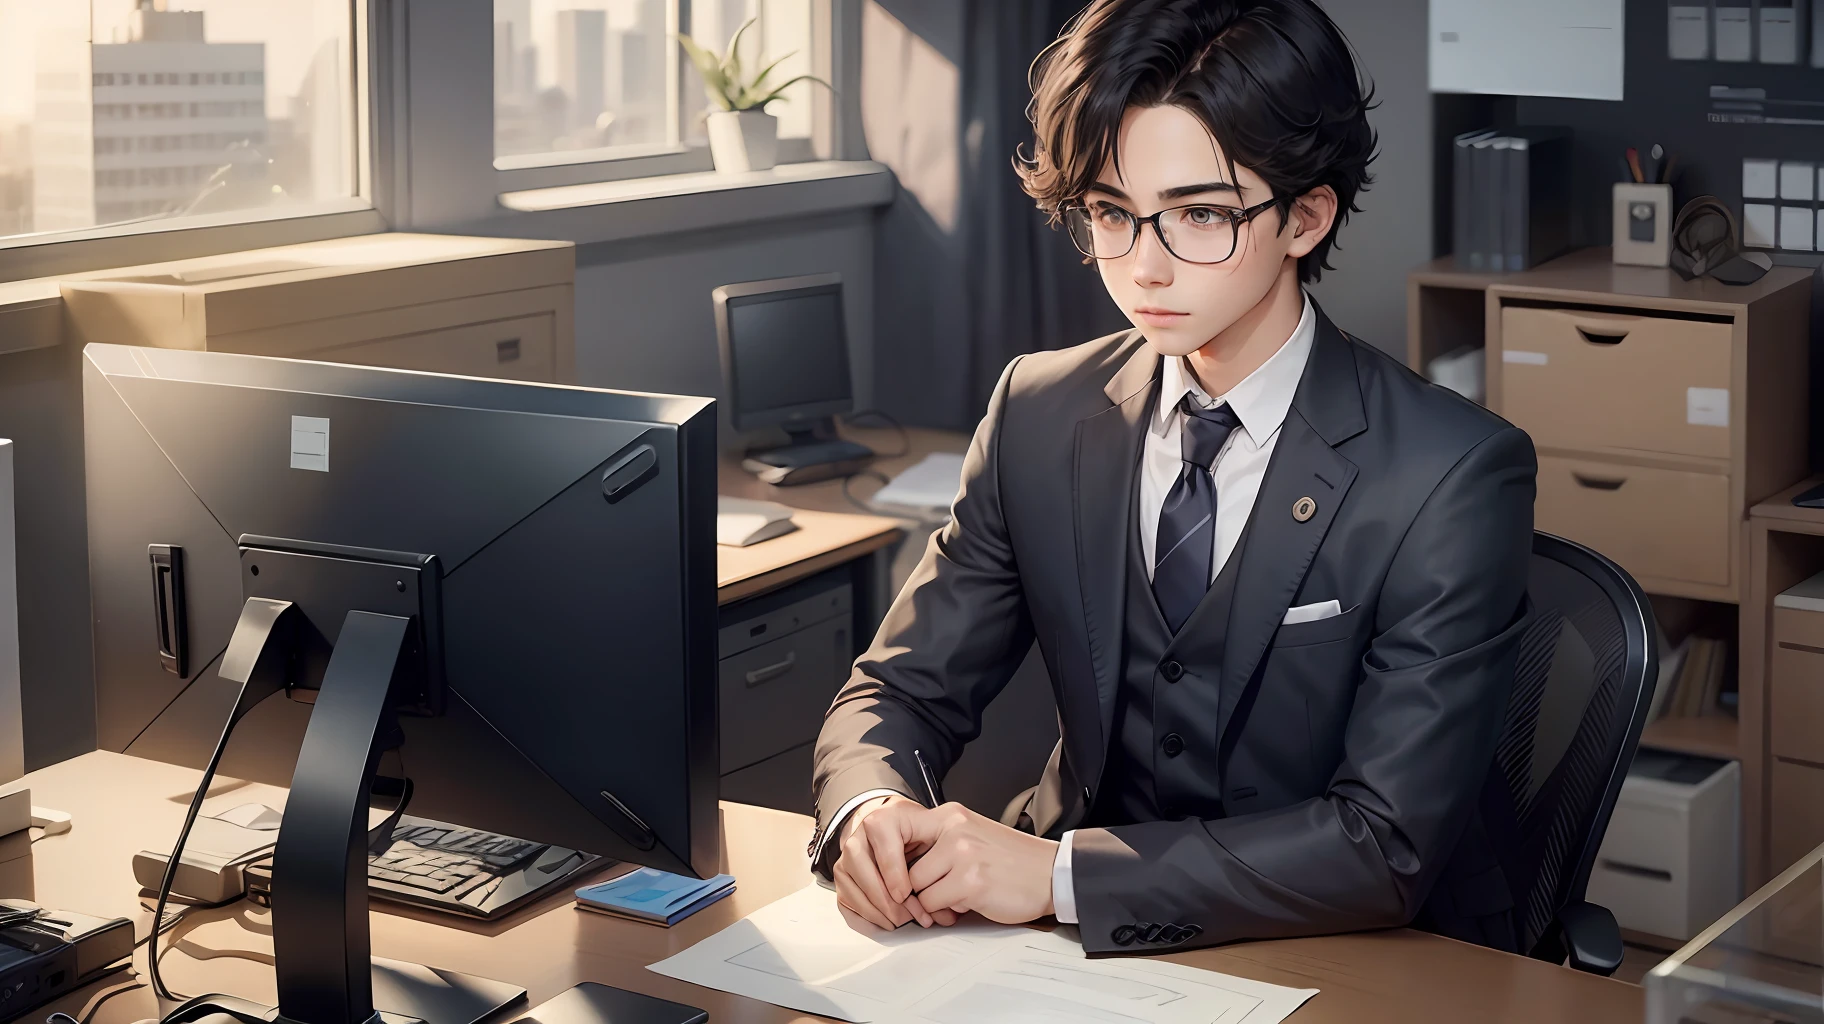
1194 234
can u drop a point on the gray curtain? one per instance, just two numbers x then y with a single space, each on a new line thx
969 275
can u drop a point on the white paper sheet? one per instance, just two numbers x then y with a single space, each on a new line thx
807 953
931 483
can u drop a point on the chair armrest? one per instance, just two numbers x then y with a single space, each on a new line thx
1591 937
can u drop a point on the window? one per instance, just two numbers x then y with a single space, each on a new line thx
117 111
604 79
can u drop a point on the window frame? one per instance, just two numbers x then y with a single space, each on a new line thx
374 25
545 170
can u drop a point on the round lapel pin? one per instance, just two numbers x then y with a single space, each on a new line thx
1303 509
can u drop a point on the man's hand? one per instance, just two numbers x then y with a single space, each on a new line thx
977 863
878 841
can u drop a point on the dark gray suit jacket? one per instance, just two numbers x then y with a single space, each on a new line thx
1353 750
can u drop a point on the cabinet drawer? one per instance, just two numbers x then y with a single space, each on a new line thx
522 348
1797 702
1798 626
1673 524
773 696
782 781
1798 813
1579 379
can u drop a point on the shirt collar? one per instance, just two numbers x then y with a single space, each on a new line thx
1262 398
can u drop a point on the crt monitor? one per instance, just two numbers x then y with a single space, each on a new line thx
785 363
510 585
785 354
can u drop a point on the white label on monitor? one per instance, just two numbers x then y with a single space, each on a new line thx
1518 355
1707 407
310 443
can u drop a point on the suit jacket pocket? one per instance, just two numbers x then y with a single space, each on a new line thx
1321 631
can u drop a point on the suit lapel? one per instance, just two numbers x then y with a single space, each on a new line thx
1279 549
1108 446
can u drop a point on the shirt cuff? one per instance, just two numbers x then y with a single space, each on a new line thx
841 815
1063 896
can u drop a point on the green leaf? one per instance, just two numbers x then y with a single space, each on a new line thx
732 63
709 68
760 79
771 96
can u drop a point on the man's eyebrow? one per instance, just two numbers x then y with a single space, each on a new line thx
1175 192
1181 191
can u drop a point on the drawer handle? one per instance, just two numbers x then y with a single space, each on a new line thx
1601 338
506 351
1599 483
1636 870
771 672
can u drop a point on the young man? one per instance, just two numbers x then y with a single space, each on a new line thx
1277 579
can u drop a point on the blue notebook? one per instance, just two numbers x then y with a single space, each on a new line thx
657 897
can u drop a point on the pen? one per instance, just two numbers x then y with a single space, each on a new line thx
932 790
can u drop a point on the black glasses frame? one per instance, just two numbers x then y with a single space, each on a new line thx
1236 218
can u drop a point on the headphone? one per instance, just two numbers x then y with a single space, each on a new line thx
1704 241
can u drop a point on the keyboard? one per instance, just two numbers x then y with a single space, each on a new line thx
466 871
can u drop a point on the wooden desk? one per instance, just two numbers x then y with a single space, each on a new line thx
123 804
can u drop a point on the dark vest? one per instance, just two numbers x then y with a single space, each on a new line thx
1162 761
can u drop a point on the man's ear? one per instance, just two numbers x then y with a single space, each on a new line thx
1310 220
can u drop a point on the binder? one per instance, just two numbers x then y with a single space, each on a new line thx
1482 222
1462 206
1536 197
1817 33
1783 32
1688 30
1735 30
1495 210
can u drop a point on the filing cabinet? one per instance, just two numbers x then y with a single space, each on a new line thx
480 307
1662 410
783 655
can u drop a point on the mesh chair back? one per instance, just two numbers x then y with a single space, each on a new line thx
1585 675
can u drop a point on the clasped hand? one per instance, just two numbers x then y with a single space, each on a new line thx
900 861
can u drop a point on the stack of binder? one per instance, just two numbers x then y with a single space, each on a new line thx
1511 208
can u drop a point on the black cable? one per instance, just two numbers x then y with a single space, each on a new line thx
857 502
183 835
905 439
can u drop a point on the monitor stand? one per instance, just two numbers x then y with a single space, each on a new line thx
814 452
319 916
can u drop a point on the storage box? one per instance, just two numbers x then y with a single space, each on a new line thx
1670 863
484 307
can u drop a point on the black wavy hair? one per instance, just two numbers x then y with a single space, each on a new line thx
1274 81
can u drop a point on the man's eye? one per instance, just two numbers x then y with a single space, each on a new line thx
1202 216
1113 216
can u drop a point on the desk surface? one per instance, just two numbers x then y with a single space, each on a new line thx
832 529
124 804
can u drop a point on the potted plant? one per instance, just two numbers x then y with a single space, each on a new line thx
742 135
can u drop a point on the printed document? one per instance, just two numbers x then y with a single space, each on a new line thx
807 953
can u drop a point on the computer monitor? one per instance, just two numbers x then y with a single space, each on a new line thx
513 584
785 363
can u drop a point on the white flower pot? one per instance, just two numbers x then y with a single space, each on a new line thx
743 140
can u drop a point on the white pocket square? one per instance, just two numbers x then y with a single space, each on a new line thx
1312 612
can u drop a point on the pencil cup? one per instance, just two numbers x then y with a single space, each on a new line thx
1643 224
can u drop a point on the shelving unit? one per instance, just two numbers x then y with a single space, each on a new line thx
1608 368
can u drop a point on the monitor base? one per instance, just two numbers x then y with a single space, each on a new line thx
403 993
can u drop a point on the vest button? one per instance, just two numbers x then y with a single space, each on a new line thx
1172 671
1173 744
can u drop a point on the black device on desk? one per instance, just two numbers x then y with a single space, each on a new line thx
511 584
441 866
785 362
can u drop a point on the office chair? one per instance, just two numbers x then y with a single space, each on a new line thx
1585 675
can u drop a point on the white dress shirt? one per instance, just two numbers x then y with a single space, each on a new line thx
1261 401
